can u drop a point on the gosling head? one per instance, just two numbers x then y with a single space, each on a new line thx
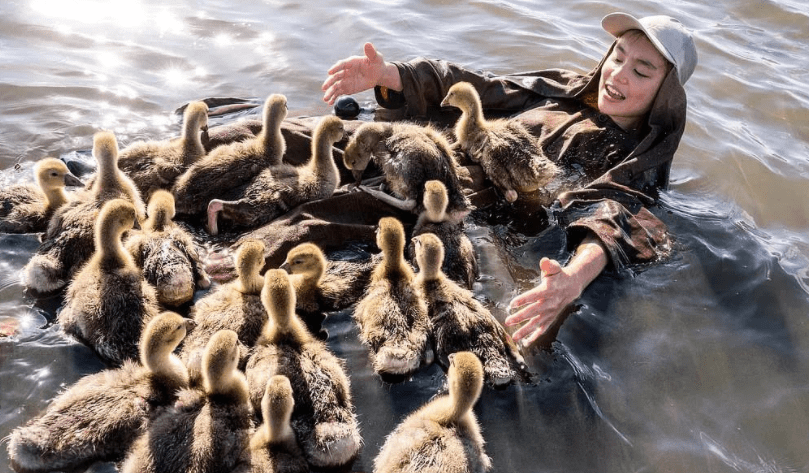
330 128
429 254
249 262
105 151
160 210
161 336
360 148
435 201
462 95
306 259
196 117
275 109
390 236
220 362
52 173
465 380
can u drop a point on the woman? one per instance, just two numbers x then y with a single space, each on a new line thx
620 124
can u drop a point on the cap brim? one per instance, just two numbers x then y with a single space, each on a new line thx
617 24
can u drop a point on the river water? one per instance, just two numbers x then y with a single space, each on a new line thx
698 364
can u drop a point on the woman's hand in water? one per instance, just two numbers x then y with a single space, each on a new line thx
559 287
359 73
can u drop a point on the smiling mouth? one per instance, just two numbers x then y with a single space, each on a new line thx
614 94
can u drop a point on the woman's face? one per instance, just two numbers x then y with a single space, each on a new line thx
629 80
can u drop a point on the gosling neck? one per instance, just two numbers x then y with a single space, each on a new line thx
109 248
471 120
283 324
55 197
231 386
430 271
393 262
271 138
322 163
158 220
165 365
193 148
277 428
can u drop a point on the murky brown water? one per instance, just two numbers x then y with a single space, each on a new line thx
698 364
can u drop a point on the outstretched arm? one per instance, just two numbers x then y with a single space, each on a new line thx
358 73
559 287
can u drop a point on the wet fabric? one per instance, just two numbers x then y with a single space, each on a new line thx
617 174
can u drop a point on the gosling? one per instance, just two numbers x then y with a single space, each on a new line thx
460 262
273 447
98 417
27 208
392 315
504 148
460 322
323 419
278 189
235 306
205 431
408 156
108 302
443 435
167 254
231 166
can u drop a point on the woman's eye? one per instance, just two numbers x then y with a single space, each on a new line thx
641 75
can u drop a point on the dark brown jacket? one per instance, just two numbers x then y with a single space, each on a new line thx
623 171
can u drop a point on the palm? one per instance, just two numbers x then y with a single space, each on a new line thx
354 74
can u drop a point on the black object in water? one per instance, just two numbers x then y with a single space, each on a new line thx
346 108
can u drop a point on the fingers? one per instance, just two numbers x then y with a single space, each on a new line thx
530 332
549 267
531 310
370 52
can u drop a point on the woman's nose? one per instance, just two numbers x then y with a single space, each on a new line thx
620 73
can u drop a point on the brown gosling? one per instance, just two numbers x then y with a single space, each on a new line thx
324 285
460 322
460 263
234 165
167 254
154 165
504 148
408 156
392 315
27 208
273 447
98 417
68 242
443 436
323 419
280 188
108 302
321 285
205 431
235 305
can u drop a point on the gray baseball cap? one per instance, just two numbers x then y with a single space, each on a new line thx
667 34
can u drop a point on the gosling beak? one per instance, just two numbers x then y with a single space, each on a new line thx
357 173
285 267
73 181
190 324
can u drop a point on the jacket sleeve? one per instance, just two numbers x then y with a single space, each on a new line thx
426 82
